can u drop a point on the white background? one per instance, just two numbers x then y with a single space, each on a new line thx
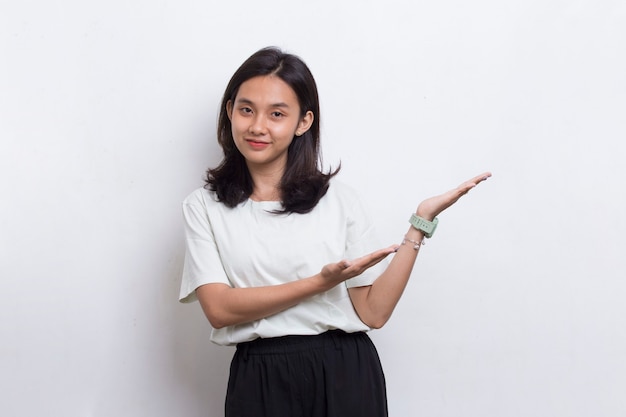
107 120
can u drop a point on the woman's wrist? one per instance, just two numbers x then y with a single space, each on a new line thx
414 234
424 215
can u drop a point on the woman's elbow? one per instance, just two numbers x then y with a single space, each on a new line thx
210 303
216 323
374 320
218 318
377 322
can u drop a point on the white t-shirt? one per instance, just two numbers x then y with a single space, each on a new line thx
247 246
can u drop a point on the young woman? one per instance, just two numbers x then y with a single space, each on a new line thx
283 259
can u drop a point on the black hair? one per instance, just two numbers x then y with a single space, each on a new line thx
303 183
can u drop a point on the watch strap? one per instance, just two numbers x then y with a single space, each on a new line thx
424 225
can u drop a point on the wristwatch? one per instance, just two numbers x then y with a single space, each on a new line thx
424 225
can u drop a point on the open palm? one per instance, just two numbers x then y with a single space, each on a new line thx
431 207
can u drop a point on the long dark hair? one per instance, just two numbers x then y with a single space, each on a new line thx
303 183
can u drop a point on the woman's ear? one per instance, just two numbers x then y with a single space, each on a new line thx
305 123
229 109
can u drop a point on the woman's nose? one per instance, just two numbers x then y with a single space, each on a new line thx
257 127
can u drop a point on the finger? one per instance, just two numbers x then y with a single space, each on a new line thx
388 250
468 185
373 258
381 253
480 178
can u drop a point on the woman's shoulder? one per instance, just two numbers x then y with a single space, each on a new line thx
343 198
342 193
341 189
200 196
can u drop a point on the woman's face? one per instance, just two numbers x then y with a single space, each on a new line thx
265 116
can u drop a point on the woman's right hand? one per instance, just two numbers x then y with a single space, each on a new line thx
338 272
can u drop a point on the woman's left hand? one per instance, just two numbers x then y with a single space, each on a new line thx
433 206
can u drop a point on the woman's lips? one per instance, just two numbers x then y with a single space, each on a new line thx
255 144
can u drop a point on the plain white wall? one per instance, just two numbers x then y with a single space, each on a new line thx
107 119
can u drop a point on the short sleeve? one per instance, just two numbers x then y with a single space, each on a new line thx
202 260
362 240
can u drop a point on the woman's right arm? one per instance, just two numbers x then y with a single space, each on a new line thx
227 306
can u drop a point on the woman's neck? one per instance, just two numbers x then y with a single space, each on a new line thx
266 184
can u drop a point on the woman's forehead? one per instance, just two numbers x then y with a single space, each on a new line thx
267 90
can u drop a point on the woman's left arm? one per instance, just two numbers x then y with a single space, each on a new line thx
375 303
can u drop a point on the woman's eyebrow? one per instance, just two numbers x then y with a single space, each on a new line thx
243 100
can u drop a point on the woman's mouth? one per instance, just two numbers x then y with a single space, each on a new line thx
255 144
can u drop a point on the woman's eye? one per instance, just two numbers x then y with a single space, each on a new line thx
246 110
277 114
